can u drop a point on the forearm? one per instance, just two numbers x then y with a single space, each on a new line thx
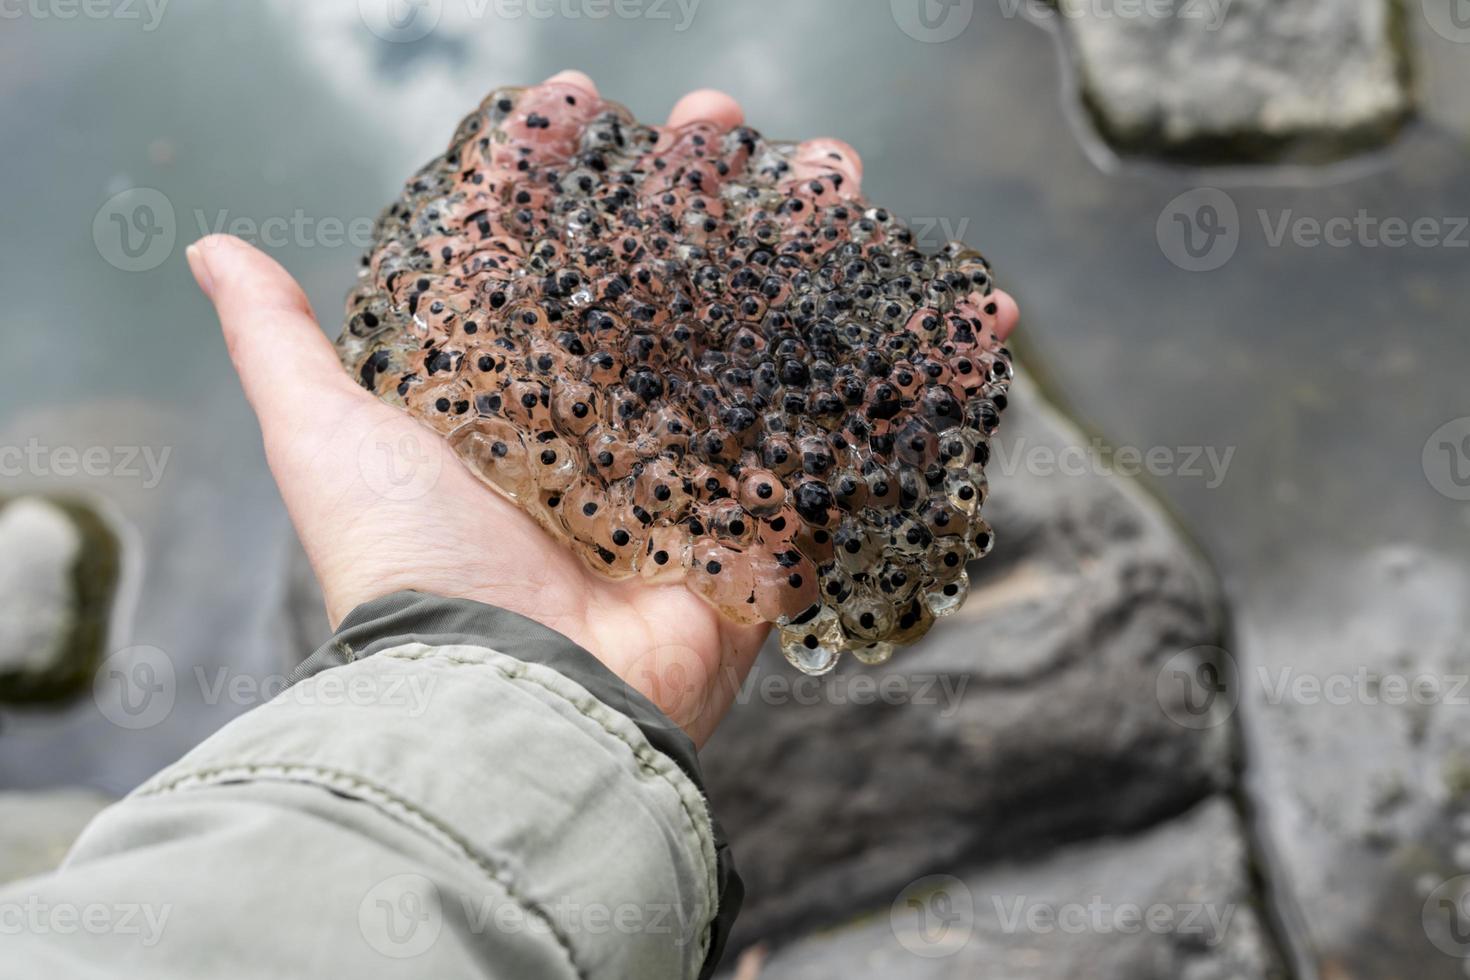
466 794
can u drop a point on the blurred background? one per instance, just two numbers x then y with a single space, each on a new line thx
1204 715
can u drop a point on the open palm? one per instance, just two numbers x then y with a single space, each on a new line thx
382 504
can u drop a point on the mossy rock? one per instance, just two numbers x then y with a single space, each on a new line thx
56 606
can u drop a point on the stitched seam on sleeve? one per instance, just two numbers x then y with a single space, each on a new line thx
593 710
391 805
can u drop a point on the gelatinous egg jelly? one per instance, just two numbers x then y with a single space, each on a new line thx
694 355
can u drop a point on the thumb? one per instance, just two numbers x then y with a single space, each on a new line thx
338 454
285 363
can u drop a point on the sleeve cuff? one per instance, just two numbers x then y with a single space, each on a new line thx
408 617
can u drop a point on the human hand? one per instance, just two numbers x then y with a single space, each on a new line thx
339 457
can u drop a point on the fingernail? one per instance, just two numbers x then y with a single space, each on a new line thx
200 267
572 76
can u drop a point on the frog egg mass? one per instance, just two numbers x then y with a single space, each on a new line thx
696 356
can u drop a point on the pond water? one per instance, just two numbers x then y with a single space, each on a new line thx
1287 397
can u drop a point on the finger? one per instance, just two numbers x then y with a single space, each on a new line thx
550 116
817 157
279 352
707 105
1007 313
576 78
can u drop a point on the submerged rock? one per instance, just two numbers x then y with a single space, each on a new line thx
1173 903
700 356
1219 81
1355 689
58 575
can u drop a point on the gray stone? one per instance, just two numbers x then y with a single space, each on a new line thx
1173 903
1241 80
1354 700
1028 718
58 574
37 596
37 829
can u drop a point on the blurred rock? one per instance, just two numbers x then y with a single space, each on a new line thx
1027 719
37 829
58 575
1218 81
1360 762
1173 903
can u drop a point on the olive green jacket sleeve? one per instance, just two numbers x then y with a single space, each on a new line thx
449 790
